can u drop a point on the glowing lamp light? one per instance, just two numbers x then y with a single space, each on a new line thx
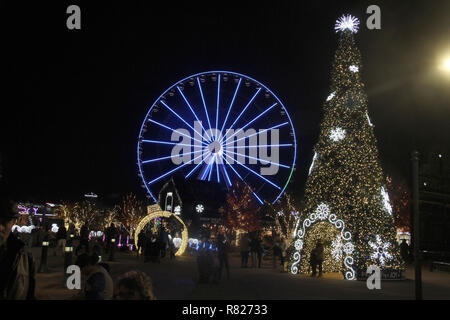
68 249
113 240
347 22
45 243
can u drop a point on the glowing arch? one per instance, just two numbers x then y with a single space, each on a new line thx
322 213
154 211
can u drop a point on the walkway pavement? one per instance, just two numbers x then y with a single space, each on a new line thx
177 279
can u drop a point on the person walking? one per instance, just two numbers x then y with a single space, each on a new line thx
84 239
98 284
17 268
244 248
61 238
404 250
276 253
222 253
317 258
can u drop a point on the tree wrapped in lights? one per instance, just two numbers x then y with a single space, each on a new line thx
242 211
346 202
111 216
130 213
85 213
400 196
285 215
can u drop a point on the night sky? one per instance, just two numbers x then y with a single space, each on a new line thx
73 100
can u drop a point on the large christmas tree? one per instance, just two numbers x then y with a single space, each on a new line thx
346 203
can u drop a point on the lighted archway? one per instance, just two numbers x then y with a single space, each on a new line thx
154 211
322 213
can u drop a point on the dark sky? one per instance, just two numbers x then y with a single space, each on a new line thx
73 101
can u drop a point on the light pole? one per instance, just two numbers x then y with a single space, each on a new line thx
416 214
112 249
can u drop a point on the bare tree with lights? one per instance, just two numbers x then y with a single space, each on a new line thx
346 203
130 213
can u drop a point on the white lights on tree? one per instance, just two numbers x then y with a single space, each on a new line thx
354 68
199 208
312 163
337 134
322 211
331 96
386 202
368 120
347 22
177 242
295 214
177 210
380 250
336 248
280 213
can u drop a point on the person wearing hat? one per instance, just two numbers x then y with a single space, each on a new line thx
98 284
17 268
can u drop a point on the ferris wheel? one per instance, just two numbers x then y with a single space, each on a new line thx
218 126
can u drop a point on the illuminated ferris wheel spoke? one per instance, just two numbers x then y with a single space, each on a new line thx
226 174
254 119
264 145
179 117
258 159
261 131
173 170
211 169
195 168
180 133
231 104
217 169
193 112
218 99
257 197
248 104
169 157
204 103
166 142
257 174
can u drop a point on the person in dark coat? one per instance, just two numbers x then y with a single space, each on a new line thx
222 251
17 268
404 250
84 239
318 258
61 237
245 249
141 242
256 251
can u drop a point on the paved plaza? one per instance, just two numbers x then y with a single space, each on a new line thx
177 279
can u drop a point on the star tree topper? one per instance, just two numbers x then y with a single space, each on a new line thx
347 22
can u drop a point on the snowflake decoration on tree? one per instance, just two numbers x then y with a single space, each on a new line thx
386 202
322 211
298 245
295 214
347 22
348 248
380 250
354 68
331 96
336 248
337 134
280 213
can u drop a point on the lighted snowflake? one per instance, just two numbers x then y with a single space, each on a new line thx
295 214
177 242
337 134
347 22
177 210
386 202
336 248
280 213
348 248
331 96
380 250
354 68
298 245
322 211
199 208
313 161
